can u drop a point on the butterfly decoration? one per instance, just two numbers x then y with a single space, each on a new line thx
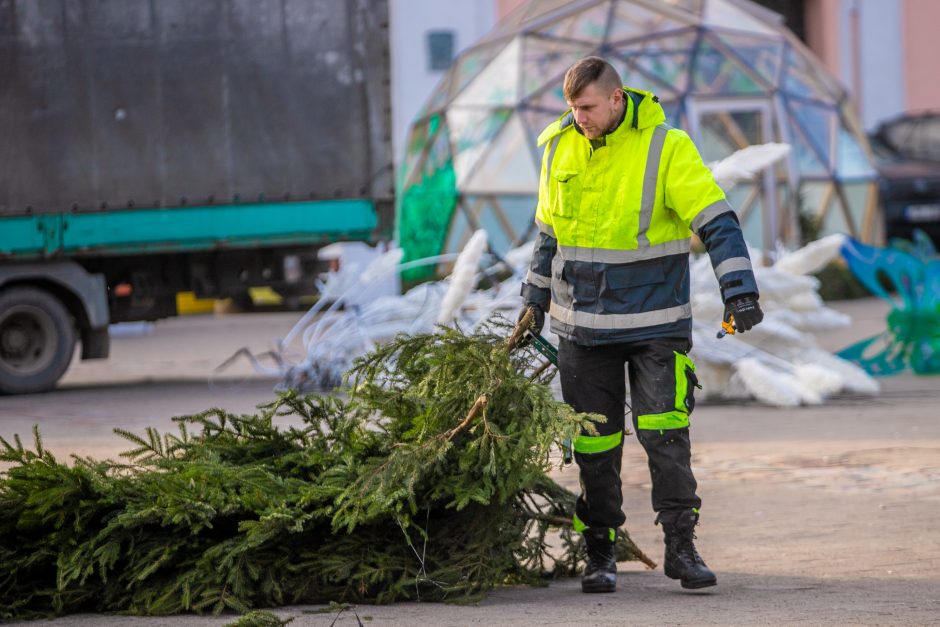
907 275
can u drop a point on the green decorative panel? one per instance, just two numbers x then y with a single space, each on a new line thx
425 215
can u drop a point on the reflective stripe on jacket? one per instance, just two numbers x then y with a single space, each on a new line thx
611 259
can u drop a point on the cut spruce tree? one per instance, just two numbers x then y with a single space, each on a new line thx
426 480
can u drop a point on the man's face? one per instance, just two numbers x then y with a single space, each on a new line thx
595 111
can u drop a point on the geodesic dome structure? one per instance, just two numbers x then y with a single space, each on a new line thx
727 71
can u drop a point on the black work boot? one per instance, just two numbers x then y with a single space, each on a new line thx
682 561
600 571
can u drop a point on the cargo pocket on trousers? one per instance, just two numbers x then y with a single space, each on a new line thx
686 383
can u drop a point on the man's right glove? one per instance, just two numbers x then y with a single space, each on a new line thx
538 319
746 312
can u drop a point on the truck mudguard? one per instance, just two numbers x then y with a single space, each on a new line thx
85 291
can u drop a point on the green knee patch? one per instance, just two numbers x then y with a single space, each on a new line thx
597 443
666 420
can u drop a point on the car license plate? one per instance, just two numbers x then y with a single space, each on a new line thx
922 213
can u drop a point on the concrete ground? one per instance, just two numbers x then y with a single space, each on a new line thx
814 515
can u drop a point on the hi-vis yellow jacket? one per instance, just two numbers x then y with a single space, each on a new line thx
611 260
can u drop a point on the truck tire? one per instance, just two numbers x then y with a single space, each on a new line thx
37 340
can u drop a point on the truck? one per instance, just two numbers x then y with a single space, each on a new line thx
152 148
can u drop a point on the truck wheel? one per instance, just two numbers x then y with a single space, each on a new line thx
37 340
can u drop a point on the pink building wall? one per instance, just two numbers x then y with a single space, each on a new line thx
921 54
822 32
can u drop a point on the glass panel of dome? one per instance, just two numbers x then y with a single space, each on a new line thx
835 221
724 14
831 85
726 126
458 233
439 96
671 71
417 141
717 137
800 77
683 41
588 24
788 220
545 61
852 162
873 225
724 132
471 130
470 64
661 73
535 121
814 198
746 203
494 223
676 114
819 126
858 196
807 160
717 73
631 20
692 6
498 83
762 54
663 59
528 13
848 114
551 98
507 165
519 212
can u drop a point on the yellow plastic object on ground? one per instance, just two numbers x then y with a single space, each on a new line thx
264 296
187 303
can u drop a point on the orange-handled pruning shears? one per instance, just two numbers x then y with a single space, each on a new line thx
727 328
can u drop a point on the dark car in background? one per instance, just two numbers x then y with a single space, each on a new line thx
907 150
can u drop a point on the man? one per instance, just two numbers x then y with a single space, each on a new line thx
619 195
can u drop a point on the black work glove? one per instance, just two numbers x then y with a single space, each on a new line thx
538 320
746 312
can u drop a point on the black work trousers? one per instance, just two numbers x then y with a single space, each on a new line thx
662 382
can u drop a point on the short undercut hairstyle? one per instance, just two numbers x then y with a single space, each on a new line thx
590 70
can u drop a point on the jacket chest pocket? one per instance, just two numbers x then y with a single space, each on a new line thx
566 188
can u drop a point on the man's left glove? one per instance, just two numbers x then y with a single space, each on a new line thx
538 319
746 311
